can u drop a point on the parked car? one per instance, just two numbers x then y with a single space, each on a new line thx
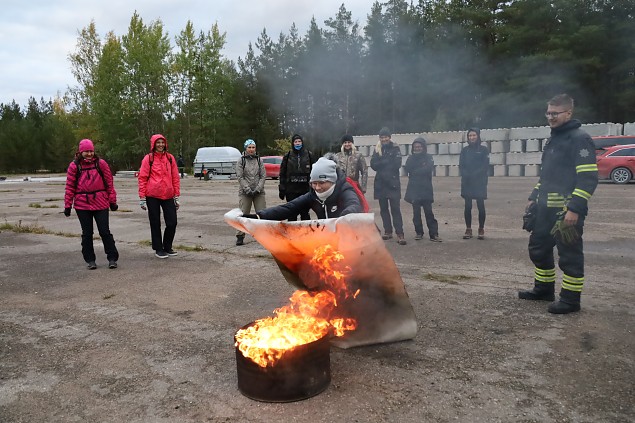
616 163
272 166
611 140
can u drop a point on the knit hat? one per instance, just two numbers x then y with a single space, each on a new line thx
248 143
324 170
384 132
347 138
86 145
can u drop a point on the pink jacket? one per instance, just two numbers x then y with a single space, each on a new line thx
91 191
161 179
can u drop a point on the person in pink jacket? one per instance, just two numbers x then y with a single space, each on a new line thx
90 189
159 189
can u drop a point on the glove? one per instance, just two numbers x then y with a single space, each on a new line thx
114 207
67 211
176 202
281 195
142 204
251 216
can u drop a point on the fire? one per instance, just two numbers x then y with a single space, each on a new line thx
309 316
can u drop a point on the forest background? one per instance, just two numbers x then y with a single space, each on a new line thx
427 65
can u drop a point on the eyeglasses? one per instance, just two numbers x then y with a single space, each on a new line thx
554 114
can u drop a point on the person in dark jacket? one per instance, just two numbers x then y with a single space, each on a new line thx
386 162
294 173
568 178
419 167
90 189
330 196
474 168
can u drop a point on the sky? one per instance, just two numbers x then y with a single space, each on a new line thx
36 36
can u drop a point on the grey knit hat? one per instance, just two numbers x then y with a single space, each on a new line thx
324 170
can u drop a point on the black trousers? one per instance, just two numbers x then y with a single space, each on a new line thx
303 215
431 222
103 227
155 205
570 256
388 207
480 204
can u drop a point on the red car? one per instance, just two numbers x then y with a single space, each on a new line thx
272 166
616 163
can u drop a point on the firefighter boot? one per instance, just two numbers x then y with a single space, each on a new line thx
541 292
569 302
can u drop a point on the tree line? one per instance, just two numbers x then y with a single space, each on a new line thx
431 65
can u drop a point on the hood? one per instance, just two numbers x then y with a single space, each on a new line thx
153 140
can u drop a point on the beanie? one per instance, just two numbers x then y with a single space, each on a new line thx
86 145
347 138
384 132
248 143
324 170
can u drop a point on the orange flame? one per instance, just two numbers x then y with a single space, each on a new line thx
308 317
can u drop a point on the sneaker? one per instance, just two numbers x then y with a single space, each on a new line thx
468 233
418 237
112 264
386 236
92 265
435 238
171 252
161 254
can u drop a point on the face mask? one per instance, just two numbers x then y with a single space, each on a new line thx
326 194
298 147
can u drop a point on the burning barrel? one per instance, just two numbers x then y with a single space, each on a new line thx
291 374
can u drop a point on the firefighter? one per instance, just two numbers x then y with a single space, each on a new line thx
568 178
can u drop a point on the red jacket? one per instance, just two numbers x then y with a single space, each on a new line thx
162 179
91 191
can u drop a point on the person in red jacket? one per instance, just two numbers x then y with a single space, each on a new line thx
159 189
90 189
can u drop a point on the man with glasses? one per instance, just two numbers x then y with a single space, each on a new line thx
568 178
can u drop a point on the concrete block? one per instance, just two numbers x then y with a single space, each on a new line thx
499 146
532 170
497 158
530 132
453 171
500 170
515 170
629 129
533 145
523 159
444 148
516 146
446 159
456 147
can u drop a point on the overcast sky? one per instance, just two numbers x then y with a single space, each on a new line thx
37 36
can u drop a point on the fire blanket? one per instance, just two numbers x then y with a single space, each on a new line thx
382 308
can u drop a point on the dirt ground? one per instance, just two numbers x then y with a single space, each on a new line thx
152 341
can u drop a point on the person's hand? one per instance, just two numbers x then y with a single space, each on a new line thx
251 216
67 211
114 207
177 203
142 204
281 195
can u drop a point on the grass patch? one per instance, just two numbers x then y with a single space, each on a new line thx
450 279
33 229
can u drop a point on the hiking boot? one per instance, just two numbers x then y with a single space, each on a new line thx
418 237
401 240
558 307
112 264
468 233
240 240
537 295
386 236
171 252
92 265
481 233
161 254
435 238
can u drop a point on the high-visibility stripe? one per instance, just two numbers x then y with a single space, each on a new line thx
572 284
586 168
545 275
581 193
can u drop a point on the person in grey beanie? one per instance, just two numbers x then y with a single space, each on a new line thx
330 196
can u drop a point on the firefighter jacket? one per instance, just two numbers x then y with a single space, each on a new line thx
568 173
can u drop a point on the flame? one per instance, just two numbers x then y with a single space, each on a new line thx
309 316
